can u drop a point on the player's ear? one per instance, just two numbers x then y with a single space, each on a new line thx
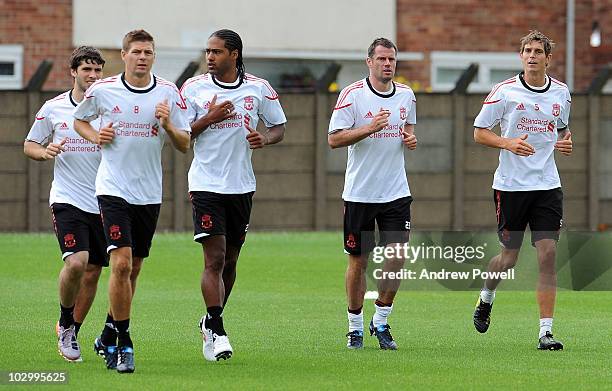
123 53
73 72
234 54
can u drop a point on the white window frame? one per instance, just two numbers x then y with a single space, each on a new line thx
487 61
14 54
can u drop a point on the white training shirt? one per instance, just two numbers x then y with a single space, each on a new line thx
375 170
539 113
74 171
222 158
131 165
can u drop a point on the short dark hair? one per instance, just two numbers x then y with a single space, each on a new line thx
535 35
136 36
232 41
85 53
384 42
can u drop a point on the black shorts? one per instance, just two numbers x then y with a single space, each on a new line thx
541 209
392 218
77 230
128 225
221 214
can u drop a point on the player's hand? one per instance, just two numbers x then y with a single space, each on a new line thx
106 134
565 145
409 140
380 121
162 113
519 146
219 112
256 140
53 149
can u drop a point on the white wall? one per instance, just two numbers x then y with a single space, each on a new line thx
264 25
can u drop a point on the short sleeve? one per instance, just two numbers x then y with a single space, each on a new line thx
191 111
492 109
565 112
88 109
343 116
41 131
411 120
270 110
179 111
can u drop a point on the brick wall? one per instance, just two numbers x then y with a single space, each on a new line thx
44 28
474 25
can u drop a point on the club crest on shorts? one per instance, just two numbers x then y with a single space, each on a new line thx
556 109
114 232
69 240
248 103
206 222
350 241
402 112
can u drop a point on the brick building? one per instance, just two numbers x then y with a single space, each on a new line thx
446 36
43 29
496 26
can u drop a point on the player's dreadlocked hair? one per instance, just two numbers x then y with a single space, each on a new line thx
232 42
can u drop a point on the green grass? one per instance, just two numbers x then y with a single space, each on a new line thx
287 319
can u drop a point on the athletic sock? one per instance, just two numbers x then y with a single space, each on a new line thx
109 333
355 319
77 328
545 326
487 295
382 311
214 320
66 316
123 333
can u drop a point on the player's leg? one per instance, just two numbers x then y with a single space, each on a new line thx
98 258
210 230
393 221
359 227
87 293
545 222
71 229
238 214
512 210
118 219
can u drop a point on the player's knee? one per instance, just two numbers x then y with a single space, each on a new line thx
214 259
121 267
75 265
508 260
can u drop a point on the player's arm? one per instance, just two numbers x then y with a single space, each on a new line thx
216 113
85 130
346 137
36 151
180 138
273 135
517 146
408 136
564 142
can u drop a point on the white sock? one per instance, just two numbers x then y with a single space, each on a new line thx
545 326
380 316
487 295
355 321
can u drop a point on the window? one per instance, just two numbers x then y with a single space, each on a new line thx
446 67
11 67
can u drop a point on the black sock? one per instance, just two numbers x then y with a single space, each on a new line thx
109 333
123 332
66 319
381 304
77 327
214 321
355 312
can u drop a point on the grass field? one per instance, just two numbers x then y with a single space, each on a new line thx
287 319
